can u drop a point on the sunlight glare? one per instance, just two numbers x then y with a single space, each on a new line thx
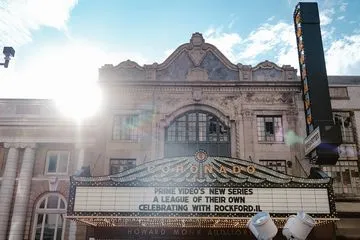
68 74
79 102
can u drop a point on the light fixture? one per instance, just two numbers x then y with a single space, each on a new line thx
262 226
298 227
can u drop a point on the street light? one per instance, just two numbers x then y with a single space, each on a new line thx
8 52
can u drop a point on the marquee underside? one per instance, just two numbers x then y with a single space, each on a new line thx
183 222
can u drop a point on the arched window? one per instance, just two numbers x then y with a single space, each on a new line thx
196 130
49 219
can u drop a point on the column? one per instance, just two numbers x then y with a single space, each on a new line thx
248 137
7 187
22 194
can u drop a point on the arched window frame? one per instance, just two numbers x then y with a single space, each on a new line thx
184 120
60 212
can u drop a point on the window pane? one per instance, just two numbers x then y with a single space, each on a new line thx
276 165
202 131
223 133
52 201
343 119
49 227
62 204
345 177
120 165
63 162
42 204
38 226
202 117
192 131
59 227
197 127
125 127
192 117
52 163
181 131
269 128
171 133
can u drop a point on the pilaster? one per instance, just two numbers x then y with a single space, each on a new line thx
7 187
22 193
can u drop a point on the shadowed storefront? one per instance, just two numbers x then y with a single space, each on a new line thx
196 197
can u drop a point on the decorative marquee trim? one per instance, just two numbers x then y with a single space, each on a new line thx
183 222
186 170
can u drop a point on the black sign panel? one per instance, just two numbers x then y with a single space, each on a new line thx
314 80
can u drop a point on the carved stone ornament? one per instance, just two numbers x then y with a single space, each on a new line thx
197 95
197 55
53 184
247 115
197 39
20 145
197 74
128 64
269 98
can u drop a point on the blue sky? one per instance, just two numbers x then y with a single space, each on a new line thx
60 44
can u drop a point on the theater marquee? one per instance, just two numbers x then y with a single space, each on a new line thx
196 191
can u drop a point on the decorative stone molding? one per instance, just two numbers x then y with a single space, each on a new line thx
197 39
24 141
197 95
244 72
290 72
20 145
196 53
197 74
168 118
248 115
269 71
196 49
150 71
269 98
292 115
267 65
53 184
192 54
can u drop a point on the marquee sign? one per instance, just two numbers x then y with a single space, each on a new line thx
207 189
316 97
186 200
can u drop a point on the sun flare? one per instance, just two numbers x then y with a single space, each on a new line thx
79 103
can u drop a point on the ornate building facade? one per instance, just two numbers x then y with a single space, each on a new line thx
196 99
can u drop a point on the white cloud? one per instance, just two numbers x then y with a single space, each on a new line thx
340 17
277 42
343 6
270 18
342 56
265 38
226 42
21 17
326 16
